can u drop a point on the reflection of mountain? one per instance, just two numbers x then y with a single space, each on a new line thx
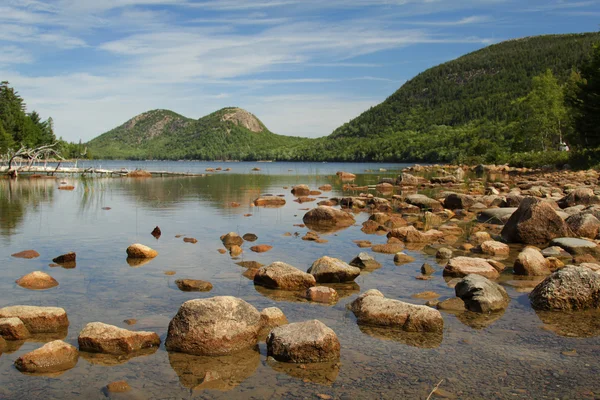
19 196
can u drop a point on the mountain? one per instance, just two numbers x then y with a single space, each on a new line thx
230 133
462 110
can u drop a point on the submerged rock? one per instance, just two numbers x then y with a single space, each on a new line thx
303 342
138 250
118 387
279 275
37 280
372 308
193 285
29 254
38 319
481 295
55 356
213 327
569 288
332 270
97 337
261 248
269 201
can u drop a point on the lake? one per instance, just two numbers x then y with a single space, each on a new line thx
515 354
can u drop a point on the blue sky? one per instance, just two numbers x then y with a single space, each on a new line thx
303 67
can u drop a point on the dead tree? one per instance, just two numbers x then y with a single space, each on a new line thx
32 155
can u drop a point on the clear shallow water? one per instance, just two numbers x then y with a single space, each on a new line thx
509 355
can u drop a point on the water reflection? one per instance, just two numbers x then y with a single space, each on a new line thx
320 373
578 324
17 197
343 289
109 360
14 345
426 340
218 373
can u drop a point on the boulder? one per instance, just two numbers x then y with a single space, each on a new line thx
427 269
215 326
269 201
584 225
325 188
534 222
372 308
532 262
272 317
250 237
457 201
395 222
231 239
322 294
451 304
279 275
570 288
577 247
327 217
303 342
410 234
463 266
346 176
97 337
494 248
332 270
497 216
424 202
140 251
65 258
384 187
156 232
365 261
300 190
13 329
481 295
388 248
480 237
55 356
407 180
443 253
235 250
403 258
28 254
193 285
37 280
444 179
581 196
261 248
38 319
380 218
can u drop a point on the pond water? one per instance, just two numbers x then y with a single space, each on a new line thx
515 354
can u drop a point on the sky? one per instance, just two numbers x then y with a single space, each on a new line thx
304 67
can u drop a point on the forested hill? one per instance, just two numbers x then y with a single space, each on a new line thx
482 85
230 133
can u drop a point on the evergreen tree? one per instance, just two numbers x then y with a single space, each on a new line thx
588 101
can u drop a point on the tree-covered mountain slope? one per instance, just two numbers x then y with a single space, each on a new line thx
230 133
480 86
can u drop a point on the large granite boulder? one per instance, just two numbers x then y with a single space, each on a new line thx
52 357
534 222
372 308
481 295
462 266
584 225
324 217
280 275
215 326
332 270
569 288
38 319
532 262
303 342
97 337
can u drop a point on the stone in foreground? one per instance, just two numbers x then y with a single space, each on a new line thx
138 250
212 327
97 337
332 270
569 288
279 275
481 295
272 317
52 357
13 329
463 266
372 308
37 280
303 342
38 319
531 262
